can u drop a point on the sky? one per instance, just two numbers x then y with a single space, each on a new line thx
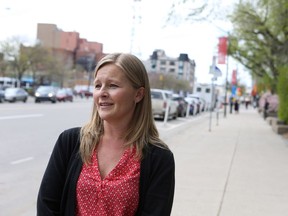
110 22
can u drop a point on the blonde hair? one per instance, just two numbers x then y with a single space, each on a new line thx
142 129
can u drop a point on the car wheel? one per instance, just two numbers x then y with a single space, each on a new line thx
25 99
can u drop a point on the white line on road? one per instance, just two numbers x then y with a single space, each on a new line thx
20 116
21 160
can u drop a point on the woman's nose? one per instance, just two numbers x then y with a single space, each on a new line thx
103 92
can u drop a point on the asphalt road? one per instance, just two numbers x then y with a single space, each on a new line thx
28 132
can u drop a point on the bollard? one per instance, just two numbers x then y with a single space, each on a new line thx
167 112
188 110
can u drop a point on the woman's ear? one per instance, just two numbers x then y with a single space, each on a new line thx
139 94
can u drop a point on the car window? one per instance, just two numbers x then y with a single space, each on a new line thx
168 96
156 95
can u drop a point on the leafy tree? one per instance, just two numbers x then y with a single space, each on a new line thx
38 59
260 38
19 61
182 11
260 42
283 94
3 65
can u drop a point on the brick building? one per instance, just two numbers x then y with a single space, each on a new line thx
69 47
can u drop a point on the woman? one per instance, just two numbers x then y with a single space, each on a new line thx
116 164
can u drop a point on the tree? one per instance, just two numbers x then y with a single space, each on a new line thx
19 61
38 58
169 82
259 40
182 11
3 65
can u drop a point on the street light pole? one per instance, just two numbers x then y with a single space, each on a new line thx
226 87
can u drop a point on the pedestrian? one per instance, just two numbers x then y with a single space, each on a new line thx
236 106
266 107
116 164
247 101
231 103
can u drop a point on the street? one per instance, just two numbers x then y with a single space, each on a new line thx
28 133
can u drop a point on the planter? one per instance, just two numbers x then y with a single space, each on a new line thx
278 126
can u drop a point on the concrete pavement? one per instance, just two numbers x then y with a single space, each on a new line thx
239 168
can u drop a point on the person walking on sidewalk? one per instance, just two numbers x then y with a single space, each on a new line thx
231 103
236 106
116 164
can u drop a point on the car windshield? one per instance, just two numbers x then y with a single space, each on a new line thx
10 90
61 91
45 89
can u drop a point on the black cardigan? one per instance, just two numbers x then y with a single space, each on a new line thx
57 193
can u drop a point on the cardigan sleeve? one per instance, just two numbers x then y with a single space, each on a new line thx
159 194
51 188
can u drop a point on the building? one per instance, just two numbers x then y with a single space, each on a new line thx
69 47
181 67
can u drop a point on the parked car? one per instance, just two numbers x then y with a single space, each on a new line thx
200 101
160 100
194 106
46 93
15 94
64 94
83 91
1 95
182 105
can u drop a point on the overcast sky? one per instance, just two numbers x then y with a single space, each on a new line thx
111 22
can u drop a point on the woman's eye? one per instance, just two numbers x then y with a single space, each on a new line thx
97 86
113 86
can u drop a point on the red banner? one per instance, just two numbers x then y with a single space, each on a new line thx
234 77
222 50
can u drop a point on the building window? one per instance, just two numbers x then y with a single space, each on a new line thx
198 89
207 90
163 62
172 63
171 70
180 64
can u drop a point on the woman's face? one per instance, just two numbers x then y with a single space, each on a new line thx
114 96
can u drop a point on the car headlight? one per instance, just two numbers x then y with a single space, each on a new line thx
50 95
37 94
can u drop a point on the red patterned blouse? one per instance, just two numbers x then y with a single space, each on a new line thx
117 194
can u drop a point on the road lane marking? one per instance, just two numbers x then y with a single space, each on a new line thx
21 160
20 116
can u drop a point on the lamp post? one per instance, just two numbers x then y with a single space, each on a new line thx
226 88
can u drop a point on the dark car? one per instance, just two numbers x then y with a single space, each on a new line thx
182 105
46 93
15 94
64 94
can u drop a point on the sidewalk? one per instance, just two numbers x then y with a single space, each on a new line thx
239 168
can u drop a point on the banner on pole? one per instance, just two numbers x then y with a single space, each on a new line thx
222 50
234 77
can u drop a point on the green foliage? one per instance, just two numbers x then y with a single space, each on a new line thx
40 62
259 39
283 94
